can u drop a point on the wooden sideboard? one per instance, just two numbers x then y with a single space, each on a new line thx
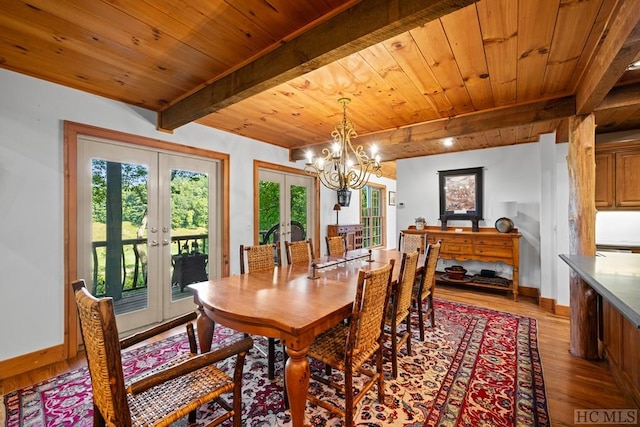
352 234
485 245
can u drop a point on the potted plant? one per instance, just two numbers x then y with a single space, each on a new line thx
420 223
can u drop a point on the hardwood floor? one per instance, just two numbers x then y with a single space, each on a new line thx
571 383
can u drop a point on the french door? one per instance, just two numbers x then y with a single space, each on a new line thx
285 206
144 220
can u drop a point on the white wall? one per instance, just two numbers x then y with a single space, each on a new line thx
562 223
512 173
32 113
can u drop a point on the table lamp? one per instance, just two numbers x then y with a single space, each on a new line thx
337 208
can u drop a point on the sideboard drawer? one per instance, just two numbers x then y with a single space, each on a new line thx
504 243
497 251
451 247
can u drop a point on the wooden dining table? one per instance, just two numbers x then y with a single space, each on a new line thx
288 303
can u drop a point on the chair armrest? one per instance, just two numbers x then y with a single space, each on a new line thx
151 332
193 364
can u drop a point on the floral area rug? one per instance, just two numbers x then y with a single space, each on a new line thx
477 367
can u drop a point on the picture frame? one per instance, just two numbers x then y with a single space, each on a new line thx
461 194
392 198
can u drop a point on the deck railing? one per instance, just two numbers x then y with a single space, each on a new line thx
134 258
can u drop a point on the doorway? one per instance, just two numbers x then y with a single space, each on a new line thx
146 227
285 206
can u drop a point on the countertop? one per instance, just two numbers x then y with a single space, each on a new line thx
615 276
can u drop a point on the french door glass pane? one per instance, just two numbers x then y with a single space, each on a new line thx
189 230
298 211
119 238
269 209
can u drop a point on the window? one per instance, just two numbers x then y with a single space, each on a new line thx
372 215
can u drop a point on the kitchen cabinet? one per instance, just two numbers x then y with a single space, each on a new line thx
604 180
618 176
621 344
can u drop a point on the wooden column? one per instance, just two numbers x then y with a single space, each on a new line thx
582 218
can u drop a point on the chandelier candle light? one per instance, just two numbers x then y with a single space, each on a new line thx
343 168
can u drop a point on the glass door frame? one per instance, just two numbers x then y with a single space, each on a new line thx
72 132
313 221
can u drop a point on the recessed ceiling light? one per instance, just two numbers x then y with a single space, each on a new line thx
448 142
634 66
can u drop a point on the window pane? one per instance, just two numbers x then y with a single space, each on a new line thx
371 216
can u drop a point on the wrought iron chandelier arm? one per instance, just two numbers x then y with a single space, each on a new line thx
344 167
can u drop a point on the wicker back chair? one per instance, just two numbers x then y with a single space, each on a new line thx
399 308
348 345
165 395
336 245
300 251
409 242
424 288
260 257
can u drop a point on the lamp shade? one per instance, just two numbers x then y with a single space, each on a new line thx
344 197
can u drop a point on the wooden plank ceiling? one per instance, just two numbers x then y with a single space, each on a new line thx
478 74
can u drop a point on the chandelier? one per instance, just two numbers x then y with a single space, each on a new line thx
344 168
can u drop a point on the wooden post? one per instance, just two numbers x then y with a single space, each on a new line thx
582 218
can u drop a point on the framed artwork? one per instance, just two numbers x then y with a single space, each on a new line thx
461 194
392 198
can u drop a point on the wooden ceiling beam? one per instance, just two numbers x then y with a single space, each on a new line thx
358 27
463 124
620 97
619 47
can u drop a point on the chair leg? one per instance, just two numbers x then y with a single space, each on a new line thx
285 394
380 376
348 397
271 364
408 322
394 350
237 403
191 418
327 369
421 320
433 312
98 420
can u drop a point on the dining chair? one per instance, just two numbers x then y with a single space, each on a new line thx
336 245
262 258
259 257
163 395
300 251
424 288
399 308
348 345
408 242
